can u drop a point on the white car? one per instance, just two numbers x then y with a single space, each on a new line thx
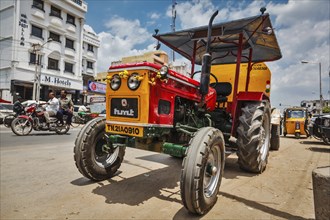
5 110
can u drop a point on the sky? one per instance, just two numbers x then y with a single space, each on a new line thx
302 27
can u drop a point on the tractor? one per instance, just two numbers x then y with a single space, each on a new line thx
190 119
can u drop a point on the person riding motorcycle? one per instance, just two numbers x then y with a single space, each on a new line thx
66 107
18 108
51 108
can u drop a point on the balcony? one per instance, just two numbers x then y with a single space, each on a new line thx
55 46
71 27
39 13
69 52
56 21
79 4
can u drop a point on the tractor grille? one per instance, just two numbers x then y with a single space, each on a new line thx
124 107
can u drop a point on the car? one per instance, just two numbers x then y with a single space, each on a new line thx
30 102
5 110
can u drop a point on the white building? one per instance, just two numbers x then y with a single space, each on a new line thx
314 105
91 43
26 27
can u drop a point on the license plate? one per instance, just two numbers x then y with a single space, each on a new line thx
125 130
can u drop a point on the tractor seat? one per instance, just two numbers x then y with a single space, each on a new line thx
223 90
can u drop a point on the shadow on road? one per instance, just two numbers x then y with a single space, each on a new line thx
232 170
313 143
320 149
259 206
160 183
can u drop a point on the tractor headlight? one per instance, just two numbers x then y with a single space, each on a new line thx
133 81
115 82
163 72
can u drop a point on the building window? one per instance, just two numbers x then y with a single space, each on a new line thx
54 37
70 19
55 12
90 48
89 65
33 57
68 67
52 64
36 31
69 43
39 4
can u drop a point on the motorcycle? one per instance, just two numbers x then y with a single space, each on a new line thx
34 119
9 118
319 128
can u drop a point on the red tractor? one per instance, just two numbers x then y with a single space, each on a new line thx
191 119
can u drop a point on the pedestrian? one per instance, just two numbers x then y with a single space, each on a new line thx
66 106
51 108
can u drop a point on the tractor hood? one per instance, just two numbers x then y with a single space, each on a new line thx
257 32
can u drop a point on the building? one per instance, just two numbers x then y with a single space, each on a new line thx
314 105
44 38
91 44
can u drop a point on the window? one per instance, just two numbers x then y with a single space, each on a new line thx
55 12
90 48
54 37
39 4
33 57
52 64
36 31
89 65
69 43
68 67
70 19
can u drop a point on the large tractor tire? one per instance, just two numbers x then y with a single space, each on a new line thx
254 136
275 137
93 157
202 170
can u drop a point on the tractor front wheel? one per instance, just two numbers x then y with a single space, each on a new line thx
94 158
254 136
275 137
202 170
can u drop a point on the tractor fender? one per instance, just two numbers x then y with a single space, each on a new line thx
251 96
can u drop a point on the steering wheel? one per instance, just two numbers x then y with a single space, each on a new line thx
211 74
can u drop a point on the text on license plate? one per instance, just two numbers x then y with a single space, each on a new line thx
125 130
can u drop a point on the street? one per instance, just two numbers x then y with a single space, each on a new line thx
39 180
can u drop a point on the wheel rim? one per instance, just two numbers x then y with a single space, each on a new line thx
103 155
22 126
212 172
265 137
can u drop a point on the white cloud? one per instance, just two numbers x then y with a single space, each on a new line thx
154 16
121 39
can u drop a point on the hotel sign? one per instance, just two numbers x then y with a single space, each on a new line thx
61 82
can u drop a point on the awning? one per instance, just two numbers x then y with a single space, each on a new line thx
257 32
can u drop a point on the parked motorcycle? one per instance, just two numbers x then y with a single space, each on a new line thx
34 119
9 118
320 128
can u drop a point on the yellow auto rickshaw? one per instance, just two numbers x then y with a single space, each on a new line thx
295 121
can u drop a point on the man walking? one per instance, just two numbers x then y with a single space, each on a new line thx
66 106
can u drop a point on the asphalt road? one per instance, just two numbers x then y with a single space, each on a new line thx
39 180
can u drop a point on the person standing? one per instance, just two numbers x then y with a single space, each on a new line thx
52 107
66 106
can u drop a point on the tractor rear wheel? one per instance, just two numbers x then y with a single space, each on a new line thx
254 136
202 170
94 158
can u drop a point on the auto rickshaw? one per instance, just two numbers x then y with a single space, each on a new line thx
295 121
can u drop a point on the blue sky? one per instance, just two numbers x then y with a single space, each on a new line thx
302 28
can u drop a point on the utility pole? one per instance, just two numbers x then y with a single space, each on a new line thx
173 23
320 75
37 74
